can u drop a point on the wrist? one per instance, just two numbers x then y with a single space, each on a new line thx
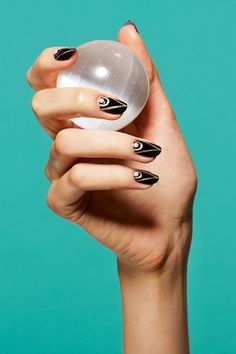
154 306
169 259
164 281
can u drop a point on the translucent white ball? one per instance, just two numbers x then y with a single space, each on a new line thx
111 68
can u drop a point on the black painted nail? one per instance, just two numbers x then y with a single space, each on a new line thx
145 148
112 105
130 22
145 177
64 53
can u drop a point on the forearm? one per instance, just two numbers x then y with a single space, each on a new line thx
154 311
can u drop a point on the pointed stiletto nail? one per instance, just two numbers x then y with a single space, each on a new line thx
64 53
112 105
130 22
145 148
145 177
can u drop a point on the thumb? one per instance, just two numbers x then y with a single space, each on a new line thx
129 36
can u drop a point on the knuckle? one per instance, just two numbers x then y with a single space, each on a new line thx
48 173
36 103
110 140
117 178
61 143
42 59
28 76
51 201
75 176
118 143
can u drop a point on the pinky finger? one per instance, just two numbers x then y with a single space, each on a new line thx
66 194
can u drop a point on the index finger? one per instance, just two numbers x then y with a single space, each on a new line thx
43 73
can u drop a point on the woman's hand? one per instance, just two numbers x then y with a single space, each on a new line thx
106 182
92 172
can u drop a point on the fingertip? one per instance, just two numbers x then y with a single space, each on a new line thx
112 107
48 63
64 54
131 23
145 177
127 33
43 72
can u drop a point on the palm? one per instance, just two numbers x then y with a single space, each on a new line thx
129 222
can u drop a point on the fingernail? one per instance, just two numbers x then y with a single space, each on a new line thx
112 105
145 148
64 53
145 177
130 22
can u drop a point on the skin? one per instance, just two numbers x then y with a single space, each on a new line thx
148 227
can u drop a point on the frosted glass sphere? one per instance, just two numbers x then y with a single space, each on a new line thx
111 68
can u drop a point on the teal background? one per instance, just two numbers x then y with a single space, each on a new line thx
59 291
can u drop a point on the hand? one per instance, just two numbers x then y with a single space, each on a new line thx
91 172
148 226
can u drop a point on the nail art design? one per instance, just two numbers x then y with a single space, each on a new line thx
130 22
112 105
64 53
145 177
145 148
